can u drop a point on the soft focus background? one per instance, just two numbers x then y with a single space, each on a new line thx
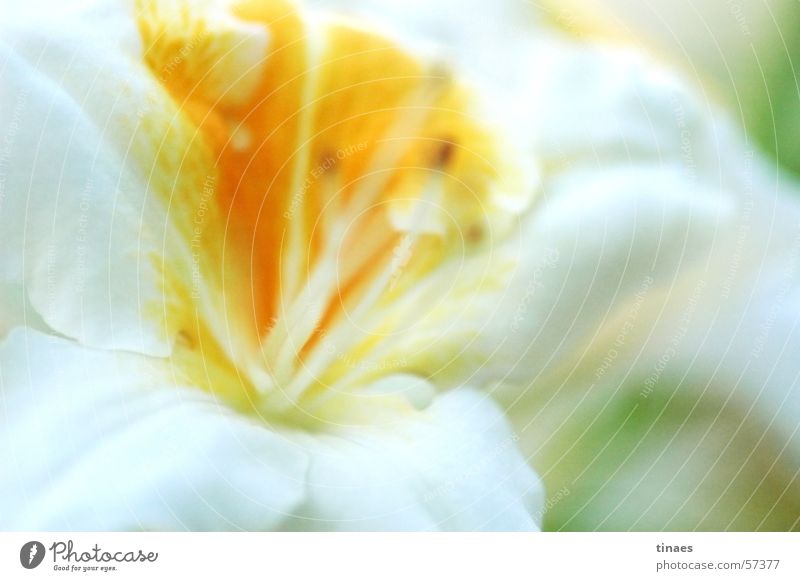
744 56
744 53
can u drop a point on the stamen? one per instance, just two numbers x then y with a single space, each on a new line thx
300 322
296 250
320 358
396 141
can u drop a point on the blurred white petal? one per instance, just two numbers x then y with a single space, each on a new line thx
650 394
72 218
454 466
98 440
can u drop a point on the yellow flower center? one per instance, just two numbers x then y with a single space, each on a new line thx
325 189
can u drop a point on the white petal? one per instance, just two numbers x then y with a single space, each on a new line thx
595 105
595 243
465 30
641 186
94 440
661 386
712 393
71 215
454 466
94 151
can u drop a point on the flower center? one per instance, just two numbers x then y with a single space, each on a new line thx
326 189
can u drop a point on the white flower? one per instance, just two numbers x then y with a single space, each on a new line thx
267 268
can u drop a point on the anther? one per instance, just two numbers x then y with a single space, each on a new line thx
444 154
